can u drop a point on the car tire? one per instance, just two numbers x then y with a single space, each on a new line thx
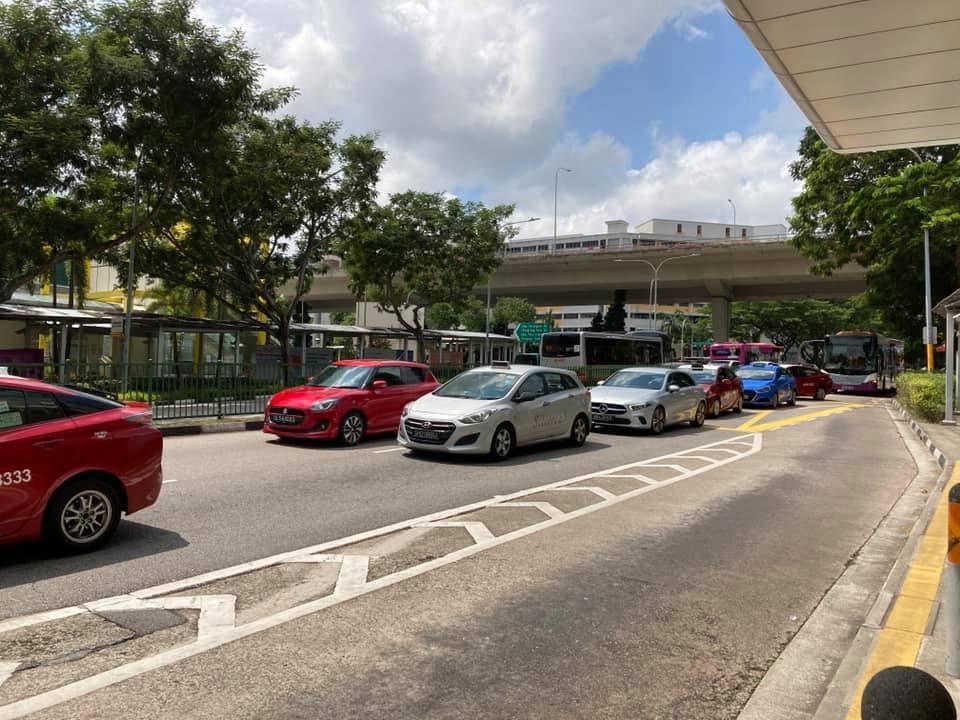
716 408
352 429
579 431
821 394
658 421
793 398
82 515
502 443
739 406
701 415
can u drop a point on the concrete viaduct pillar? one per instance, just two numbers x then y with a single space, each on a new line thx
720 297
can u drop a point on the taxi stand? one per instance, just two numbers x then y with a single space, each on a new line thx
949 308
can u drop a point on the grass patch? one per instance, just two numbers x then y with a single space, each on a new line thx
922 394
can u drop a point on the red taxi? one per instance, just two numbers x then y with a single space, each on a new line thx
348 400
810 381
721 387
71 463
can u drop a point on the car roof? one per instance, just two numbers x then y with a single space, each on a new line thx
27 383
378 363
649 368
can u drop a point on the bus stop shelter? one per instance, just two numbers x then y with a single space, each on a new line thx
949 308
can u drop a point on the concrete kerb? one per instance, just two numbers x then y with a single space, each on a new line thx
920 433
176 429
817 673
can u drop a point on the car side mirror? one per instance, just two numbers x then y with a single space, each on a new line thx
379 384
673 388
525 396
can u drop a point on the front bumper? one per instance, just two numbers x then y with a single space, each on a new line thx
752 397
313 425
621 416
454 437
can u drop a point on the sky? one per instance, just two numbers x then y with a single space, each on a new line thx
661 108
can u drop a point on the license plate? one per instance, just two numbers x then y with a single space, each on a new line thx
598 417
284 419
424 434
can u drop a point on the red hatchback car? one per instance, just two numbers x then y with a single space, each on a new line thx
348 400
810 381
721 386
71 463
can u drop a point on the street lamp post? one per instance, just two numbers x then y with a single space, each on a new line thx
927 289
131 278
486 348
734 216
655 282
556 185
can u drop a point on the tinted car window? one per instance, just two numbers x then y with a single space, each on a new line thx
13 409
810 372
390 375
42 407
554 382
534 384
681 379
795 371
569 383
76 404
412 375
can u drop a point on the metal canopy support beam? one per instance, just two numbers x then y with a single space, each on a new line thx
950 369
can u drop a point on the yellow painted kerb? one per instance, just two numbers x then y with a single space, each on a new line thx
903 630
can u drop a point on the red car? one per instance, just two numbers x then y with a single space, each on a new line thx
810 381
348 400
721 386
71 463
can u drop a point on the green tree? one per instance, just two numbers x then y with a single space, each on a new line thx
473 315
256 229
596 323
443 316
511 310
616 317
422 249
870 209
92 96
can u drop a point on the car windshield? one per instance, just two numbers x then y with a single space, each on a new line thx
487 385
637 380
341 376
704 377
755 374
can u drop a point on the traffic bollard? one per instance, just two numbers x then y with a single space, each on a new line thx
952 583
906 693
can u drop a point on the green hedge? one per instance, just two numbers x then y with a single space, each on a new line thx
922 394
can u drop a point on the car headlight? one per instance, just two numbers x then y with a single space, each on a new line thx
324 404
639 406
405 411
478 417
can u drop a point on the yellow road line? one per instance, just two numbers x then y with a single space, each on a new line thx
905 625
755 424
754 419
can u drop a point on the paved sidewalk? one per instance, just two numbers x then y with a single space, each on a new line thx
198 426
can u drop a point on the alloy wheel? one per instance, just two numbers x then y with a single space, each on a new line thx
658 420
86 516
502 443
352 429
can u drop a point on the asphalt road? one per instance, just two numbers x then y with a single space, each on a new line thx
669 605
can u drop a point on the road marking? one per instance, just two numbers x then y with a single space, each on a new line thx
171 480
551 511
217 612
478 531
905 627
353 574
605 494
388 450
805 417
757 417
85 686
639 478
6 670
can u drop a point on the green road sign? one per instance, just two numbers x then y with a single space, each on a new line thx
530 332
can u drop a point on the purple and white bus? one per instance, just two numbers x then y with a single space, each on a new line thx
862 361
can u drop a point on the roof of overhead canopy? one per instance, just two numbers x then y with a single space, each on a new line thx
868 74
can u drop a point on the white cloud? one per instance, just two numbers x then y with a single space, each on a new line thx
469 94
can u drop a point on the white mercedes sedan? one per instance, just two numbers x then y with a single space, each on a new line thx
492 410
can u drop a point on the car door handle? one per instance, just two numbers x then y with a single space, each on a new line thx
46 444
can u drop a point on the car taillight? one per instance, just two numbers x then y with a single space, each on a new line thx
141 418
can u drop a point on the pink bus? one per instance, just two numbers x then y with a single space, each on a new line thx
744 353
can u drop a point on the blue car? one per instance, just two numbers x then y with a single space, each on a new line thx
767 384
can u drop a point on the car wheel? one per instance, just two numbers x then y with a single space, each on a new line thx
352 429
579 431
793 398
821 394
502 444
739 406
701 415
82 515
658 420
715 408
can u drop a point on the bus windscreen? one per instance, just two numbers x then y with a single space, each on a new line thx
560 345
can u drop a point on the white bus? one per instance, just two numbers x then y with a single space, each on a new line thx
595 355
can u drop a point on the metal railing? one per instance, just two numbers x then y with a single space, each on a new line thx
187 390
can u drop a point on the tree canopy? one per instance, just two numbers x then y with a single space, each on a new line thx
616 318
509 311
94 95
869 209
421 249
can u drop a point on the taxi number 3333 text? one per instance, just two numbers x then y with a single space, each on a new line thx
15 477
